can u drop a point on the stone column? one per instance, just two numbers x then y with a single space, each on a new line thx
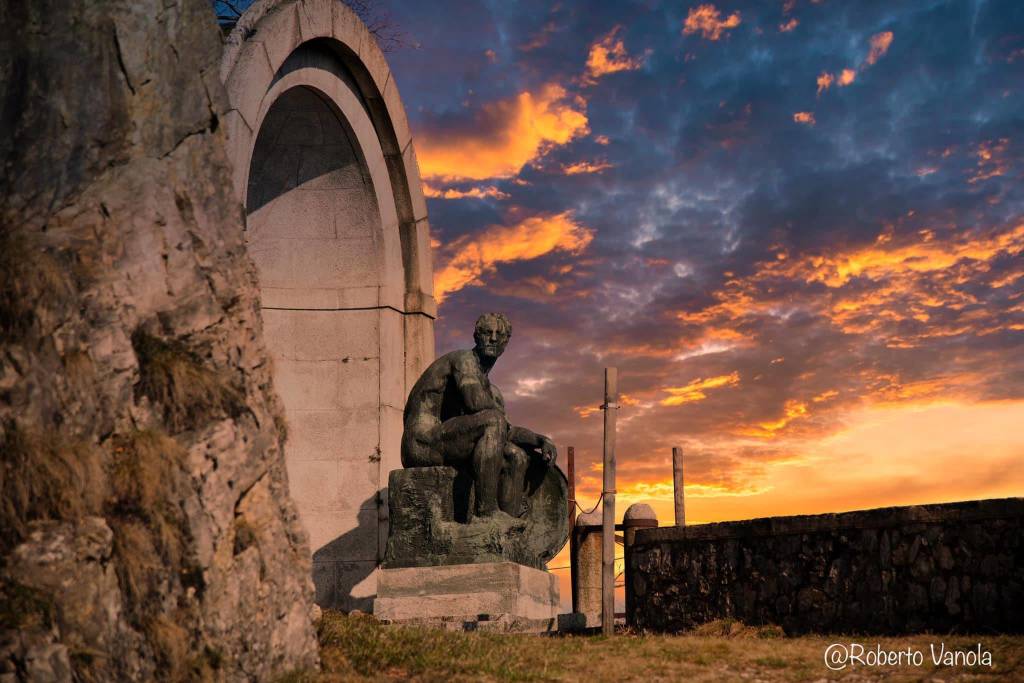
638 516
587 561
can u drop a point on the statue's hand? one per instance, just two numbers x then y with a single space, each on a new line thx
548 450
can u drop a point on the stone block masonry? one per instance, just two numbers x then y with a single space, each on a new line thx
956 567
499 596
337 228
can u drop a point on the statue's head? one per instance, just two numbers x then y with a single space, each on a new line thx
492 332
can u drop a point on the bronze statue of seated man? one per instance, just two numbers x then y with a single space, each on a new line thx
456 416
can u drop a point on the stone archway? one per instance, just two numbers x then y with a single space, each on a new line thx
324 165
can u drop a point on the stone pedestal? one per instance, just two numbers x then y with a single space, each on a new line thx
431 522
502 596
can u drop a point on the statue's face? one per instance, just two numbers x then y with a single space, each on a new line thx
491 339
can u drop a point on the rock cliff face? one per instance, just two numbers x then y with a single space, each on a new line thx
146 530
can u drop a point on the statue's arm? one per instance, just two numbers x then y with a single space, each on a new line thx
532 441
467 378
520 436
528 440
525 438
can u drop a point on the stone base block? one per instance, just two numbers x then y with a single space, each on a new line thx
578 621
502 596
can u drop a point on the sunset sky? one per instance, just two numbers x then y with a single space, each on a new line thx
796 228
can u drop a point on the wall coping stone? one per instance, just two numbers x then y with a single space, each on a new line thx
877 518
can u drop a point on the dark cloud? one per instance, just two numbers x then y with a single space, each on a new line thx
874 257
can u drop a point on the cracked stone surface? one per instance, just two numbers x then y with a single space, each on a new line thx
117 219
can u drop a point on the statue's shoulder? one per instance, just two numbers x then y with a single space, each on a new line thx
450 361
459 355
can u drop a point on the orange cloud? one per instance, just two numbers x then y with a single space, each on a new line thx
846 77
586 167
608 55
665 490
624 400
793 410
602 140
891 390
899 293
509 134
884 258
825 81
789 25
805 117
880 43
879 46
480 192
694 391
708 20
473 256
991 160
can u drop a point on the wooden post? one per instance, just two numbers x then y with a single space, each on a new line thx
611 400
677 485
570 460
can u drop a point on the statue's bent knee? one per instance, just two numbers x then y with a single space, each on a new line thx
516 456
494 418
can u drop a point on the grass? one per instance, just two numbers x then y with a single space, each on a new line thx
358 648
31 278
151 546
177 381
44 475
145 478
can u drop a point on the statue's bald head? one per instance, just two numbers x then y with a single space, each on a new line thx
491 333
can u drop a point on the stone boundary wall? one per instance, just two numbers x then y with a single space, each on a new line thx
956 567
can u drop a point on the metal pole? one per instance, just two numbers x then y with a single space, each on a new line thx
573 556
611 399
677 485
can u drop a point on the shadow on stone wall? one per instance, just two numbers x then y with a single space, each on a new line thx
303 143
343 569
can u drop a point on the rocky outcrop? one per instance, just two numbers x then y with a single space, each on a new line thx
146 530
955 567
